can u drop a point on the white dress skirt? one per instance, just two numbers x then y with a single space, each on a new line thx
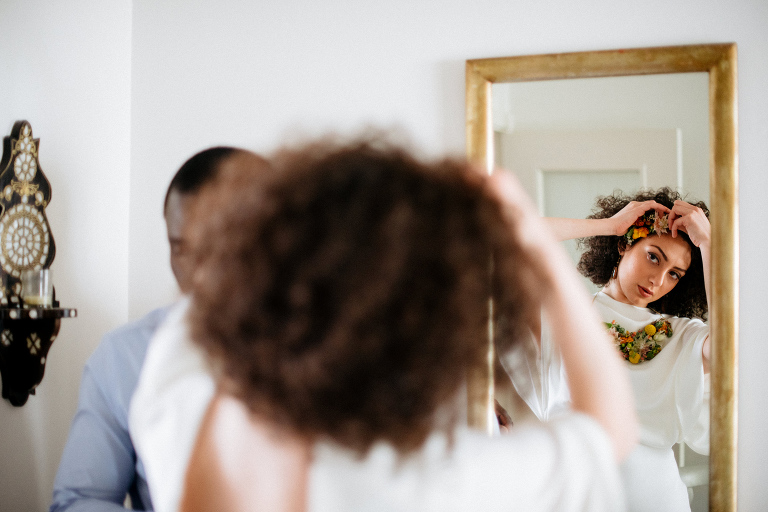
671 393
565 465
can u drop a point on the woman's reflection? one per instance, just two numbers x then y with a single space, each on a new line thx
651 255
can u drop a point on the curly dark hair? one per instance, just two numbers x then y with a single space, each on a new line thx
344 290
601 254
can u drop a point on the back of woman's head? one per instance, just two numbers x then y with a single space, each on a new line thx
601 254
344 291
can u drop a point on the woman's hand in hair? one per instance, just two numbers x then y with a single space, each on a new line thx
692 220
630 213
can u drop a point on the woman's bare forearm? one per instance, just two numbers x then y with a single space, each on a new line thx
598 382
568 229
597 379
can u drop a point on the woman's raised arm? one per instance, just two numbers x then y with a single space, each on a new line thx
568 229
599 385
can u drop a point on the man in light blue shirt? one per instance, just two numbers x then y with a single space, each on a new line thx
99 466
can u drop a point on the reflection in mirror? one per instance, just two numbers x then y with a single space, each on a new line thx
572 140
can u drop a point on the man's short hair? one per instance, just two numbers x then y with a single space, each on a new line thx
197 171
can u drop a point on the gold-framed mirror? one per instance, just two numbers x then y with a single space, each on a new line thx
718 61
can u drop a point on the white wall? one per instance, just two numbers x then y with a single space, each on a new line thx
65 67
249 73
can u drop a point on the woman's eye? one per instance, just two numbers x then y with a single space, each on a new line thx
675 276
653 257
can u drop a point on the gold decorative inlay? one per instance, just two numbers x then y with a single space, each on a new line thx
24 188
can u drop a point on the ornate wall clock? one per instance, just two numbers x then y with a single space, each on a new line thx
25 238
26 243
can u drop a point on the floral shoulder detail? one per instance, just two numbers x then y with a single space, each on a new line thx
642 345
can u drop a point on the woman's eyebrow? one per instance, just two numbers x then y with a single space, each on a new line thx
662 252
667 259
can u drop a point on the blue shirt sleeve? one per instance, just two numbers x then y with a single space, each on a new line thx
99 466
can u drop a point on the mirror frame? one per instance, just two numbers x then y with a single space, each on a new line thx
719 60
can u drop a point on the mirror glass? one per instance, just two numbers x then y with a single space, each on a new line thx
576 126
570 141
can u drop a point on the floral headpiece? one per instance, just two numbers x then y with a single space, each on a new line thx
650 223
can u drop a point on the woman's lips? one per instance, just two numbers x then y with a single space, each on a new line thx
645 292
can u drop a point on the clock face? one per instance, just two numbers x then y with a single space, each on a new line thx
24 239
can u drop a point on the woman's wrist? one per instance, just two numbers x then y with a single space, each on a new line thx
614 227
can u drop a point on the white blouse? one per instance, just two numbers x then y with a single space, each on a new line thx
565 465
671 394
